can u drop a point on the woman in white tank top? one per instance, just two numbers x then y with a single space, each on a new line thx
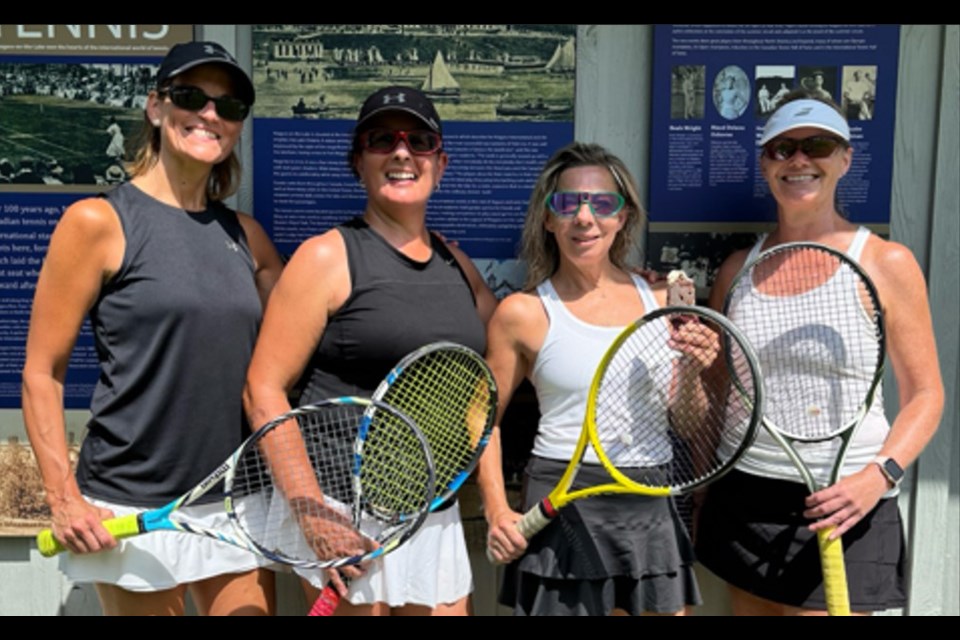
580 226
759 548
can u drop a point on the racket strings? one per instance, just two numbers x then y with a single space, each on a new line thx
311 486
449 396
815 322
665 419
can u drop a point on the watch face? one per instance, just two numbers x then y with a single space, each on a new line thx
893 470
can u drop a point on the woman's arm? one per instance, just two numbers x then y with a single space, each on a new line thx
85 250
517 321
912 351
486 301
268 264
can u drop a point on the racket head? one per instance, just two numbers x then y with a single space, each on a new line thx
372 464
826 315
448 390
665 422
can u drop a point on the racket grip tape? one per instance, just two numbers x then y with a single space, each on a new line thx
536 518
327 603
122 527
834 574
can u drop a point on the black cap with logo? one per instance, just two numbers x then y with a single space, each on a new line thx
188 55
398 98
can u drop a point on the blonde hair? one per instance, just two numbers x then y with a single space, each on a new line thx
224 177
538 246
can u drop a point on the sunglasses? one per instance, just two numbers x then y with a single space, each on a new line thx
194 99
812 147
419 141
603 204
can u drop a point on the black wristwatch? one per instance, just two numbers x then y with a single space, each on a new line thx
892 471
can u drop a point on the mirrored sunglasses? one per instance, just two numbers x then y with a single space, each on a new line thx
603 204
812 147
194 99
419 141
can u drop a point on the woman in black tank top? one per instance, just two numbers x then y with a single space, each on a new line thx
356 299
174 282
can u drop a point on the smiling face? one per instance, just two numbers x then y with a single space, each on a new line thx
399 177
196 136
801 182
583 236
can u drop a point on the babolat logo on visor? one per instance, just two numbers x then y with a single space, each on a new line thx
803 112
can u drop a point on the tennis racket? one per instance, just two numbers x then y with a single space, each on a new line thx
308 486
448 390
815 320
660 421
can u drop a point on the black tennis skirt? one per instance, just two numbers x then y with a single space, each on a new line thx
751 533
603 552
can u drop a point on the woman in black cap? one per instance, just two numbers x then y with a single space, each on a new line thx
353 301
758 525
174 283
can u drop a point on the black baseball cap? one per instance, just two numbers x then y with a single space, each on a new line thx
398 98
188 55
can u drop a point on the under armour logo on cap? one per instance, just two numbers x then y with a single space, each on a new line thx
389 98
400 98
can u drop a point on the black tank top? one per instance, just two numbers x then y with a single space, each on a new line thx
395 306
174 331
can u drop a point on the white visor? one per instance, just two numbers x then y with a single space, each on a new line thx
804 113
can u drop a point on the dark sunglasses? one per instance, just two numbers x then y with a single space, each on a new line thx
603 204
419 141
812 147
194 99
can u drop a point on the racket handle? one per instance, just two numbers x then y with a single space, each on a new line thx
532 522
536 518
834 574
327 603
122 527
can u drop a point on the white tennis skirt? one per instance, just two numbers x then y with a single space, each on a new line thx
163 559
431 568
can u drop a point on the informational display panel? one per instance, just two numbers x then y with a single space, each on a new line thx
714 87
505 94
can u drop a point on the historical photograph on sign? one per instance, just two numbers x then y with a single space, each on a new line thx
687 91
772 83
859 91
731 92
69 123
820 81
472 72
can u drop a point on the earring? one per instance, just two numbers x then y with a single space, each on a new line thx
436 187
156 123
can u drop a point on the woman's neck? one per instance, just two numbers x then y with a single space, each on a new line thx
176 186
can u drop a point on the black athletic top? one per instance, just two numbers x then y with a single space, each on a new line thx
396 305
174 330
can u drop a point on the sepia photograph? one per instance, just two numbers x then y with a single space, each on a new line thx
472 72
687 92
69 123
859 91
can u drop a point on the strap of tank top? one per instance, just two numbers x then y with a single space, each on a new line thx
859 242
646 293
548 298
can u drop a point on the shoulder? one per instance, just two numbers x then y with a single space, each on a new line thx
90 218
324 250
518 309
892 266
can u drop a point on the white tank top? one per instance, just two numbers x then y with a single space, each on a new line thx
766 457
564 369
